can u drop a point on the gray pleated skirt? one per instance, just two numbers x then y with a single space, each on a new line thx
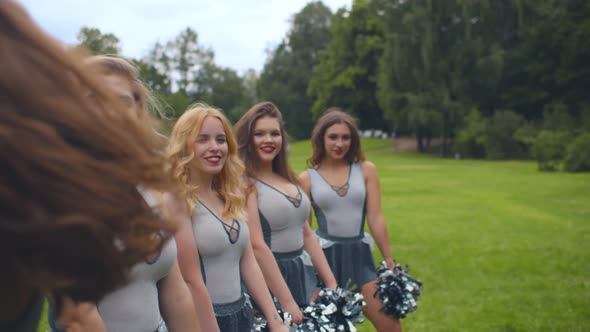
235 316
350 259
298 273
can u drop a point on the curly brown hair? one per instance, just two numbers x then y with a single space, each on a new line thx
331 117
71 218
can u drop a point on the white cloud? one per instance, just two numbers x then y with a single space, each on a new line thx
238 31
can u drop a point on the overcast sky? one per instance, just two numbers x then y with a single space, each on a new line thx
238 31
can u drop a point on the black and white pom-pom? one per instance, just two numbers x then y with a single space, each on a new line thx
333 310
261 324
397 290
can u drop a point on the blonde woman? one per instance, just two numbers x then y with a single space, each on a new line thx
214 239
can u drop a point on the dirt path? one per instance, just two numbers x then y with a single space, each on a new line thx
410 143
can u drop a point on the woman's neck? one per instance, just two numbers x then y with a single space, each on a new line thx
264 170
333 163
200 179
204 182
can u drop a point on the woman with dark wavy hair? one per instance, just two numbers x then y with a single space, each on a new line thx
344 190
285 246
72 221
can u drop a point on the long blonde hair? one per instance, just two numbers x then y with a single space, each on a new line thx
229 183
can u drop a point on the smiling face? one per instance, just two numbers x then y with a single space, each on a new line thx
210 147
337 140
267 138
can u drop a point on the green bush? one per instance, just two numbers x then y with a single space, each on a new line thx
470 139
526 134
549 149
499 142
556 117
585 118
577 158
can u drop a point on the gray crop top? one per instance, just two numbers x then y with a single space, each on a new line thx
135 306
282 217
220 258
339 213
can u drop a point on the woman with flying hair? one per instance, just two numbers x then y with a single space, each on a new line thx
285 245
344 190
72 221
214 239
155 286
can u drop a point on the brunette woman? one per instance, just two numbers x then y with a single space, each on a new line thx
278 209
344 189
72 221
155 286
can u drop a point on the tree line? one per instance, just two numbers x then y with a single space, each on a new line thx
495 79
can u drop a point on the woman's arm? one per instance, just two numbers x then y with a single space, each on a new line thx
318 259
267 263
190 268
251 275
375 217
176 304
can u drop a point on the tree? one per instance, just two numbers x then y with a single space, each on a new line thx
346 75
180 59
178 102
186 56
175 70
158 82
97 42
548 63
440 59
222 88
289 68
250 81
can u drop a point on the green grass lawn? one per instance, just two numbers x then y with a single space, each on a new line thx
499 246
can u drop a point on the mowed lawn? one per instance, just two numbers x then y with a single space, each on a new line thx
499 246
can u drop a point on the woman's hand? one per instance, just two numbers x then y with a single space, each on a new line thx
332 285
277 326
80 317
296 314
390 263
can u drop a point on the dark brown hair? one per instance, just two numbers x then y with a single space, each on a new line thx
71 218
331 117
244 130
